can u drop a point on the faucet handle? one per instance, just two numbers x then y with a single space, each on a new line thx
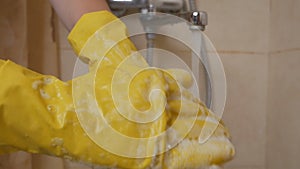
199 18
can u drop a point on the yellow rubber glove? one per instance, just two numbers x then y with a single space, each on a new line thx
215 151
37 113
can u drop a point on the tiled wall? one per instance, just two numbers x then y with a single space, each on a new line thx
259 44
283 136
239 31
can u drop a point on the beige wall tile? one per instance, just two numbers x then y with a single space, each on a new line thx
67 62
285 25
46 162
139 41
236 25
63 37
42 49
13 37
162 41
245 111
284 111
170 43
70 65
75 165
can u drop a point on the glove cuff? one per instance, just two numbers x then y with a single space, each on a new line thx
86 26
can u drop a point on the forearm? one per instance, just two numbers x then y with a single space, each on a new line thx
70 11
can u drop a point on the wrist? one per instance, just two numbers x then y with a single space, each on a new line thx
70 11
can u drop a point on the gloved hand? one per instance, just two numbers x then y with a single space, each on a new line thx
37 113
126 65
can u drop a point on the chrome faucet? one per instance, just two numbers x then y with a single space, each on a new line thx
181 8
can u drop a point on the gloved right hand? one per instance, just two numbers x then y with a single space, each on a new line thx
131 81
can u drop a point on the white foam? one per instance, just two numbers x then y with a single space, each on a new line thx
44 94
36 84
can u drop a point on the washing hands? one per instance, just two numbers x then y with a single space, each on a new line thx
122 114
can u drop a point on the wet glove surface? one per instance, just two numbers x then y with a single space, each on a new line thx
37 112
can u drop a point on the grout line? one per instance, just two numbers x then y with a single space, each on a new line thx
240 52
284 50
230 51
